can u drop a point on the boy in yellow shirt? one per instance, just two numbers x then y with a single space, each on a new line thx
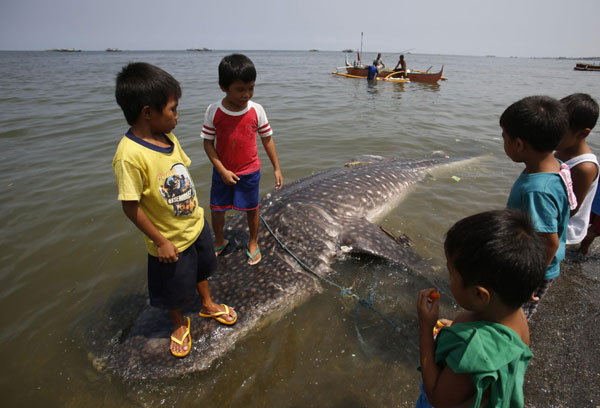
158 196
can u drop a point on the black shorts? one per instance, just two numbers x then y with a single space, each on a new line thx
173 285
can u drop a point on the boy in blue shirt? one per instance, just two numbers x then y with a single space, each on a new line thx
532 128
158 196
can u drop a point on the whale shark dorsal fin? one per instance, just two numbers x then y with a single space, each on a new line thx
366 238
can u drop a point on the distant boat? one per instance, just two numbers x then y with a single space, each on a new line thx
113 50
586 67
314 50
198 49
63 50
347 50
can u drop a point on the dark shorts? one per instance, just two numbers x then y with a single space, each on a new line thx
173 285
242 196
529 307
595 221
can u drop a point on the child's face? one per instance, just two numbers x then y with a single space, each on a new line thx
239 93
456 284
165 120
510 147
569 140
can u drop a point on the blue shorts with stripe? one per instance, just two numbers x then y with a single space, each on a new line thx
242 196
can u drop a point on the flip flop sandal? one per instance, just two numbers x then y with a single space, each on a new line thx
180 342
218 318
252 258
220 249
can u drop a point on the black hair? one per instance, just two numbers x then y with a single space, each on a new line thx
541 121
236 67
499 250
582 110
140 84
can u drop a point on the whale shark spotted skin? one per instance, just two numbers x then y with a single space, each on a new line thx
314 217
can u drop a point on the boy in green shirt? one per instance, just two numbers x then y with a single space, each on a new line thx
495 261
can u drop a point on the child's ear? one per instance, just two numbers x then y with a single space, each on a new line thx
146 111
520 144
222 89
583 133
482 295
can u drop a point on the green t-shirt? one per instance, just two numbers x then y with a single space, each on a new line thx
493 355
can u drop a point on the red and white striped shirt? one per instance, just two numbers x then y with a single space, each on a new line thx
236 135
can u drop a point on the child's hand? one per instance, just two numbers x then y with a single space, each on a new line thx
167 252
427 308
278 179
229 178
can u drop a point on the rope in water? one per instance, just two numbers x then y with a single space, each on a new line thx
345 292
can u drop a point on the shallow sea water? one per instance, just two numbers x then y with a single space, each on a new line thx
68 253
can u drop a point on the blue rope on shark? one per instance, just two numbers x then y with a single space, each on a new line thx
345 292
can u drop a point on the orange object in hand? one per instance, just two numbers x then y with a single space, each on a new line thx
434 295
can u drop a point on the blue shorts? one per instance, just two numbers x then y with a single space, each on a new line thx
242 196
423 402
172 285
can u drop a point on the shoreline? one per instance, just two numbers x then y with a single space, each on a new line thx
565 369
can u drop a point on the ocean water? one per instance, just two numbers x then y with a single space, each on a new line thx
68 252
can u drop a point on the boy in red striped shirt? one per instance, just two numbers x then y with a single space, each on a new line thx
229 133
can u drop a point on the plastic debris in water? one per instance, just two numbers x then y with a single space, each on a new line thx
456 178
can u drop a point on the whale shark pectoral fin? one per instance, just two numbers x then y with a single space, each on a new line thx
366 238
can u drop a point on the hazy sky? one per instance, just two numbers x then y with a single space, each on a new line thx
537 28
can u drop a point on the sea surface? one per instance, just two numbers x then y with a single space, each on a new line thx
69 255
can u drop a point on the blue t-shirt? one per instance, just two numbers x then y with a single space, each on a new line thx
544 197
372 72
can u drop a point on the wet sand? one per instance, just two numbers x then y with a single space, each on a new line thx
565 338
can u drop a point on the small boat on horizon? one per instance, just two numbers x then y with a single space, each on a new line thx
586 67
198 49
113 50
62 50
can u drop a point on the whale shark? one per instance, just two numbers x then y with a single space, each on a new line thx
315 220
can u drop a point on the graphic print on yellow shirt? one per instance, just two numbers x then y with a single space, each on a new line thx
177 188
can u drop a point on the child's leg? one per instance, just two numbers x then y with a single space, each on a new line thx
210 307
179 328
253 229
592 232
218 224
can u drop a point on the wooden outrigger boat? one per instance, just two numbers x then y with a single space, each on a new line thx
379 78
413 75
360 70
586 67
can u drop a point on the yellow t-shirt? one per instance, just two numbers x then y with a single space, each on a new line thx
159 180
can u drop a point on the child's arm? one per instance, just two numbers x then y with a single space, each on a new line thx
552 244
269 146
444 388
227 176
583 175
167 252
